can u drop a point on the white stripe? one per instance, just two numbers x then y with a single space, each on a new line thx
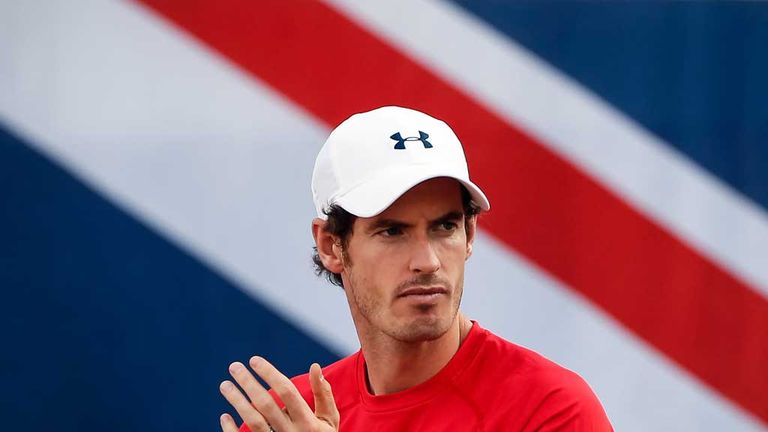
579 126
220 164
177 137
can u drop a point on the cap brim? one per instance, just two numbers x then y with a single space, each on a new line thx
377 194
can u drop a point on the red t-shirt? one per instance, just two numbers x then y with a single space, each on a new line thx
489 385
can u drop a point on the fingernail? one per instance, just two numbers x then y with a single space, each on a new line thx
256 361
223 418
227 386
235 367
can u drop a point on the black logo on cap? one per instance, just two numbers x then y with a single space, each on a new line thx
401 141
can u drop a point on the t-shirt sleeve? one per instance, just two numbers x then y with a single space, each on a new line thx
571 406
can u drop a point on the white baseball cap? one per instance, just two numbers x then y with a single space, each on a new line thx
373 158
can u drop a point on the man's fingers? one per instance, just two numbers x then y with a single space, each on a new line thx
325 405
297 408
248 413
227 423
260 398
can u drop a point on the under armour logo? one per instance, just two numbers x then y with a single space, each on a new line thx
401 141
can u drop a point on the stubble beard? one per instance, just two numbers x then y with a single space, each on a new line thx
376 311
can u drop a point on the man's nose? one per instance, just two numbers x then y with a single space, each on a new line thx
424 258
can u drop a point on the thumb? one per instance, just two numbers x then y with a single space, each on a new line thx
325 406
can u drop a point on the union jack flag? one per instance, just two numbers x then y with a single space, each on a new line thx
155 162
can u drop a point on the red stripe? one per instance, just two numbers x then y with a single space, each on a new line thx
685 305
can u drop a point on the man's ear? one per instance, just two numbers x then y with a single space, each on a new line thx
471 229
328 246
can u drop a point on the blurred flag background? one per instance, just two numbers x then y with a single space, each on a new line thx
155 158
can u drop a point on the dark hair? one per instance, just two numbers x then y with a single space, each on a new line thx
340 221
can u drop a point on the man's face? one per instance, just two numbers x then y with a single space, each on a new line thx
404 269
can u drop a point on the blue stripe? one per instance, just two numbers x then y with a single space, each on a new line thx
106 326
693 73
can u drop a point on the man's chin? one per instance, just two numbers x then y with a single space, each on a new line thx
422 329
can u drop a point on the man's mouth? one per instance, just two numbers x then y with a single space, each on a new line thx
423 292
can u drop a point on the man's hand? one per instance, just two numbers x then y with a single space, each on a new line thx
259 410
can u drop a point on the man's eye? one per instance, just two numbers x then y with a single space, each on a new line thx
448 226
391 231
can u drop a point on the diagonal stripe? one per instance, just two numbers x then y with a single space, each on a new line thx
688 75
640 389
180 140
577 125
89 292
685 305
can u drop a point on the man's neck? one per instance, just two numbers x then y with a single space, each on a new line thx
395 366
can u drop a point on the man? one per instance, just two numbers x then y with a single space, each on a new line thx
396 223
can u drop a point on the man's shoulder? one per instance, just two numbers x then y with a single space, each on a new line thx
520 363
526 381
